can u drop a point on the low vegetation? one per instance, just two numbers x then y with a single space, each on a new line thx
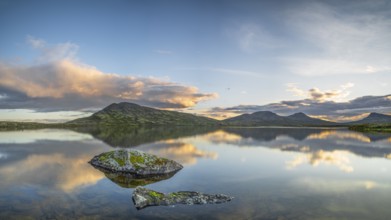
372 128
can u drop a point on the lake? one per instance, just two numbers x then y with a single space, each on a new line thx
273 173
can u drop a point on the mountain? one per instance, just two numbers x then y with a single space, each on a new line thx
126 114
304 119
373 118
261 118
266 118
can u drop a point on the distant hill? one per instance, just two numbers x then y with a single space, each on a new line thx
124 113
373 118
304 119
266 118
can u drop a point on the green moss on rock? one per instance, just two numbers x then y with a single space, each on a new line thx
143 197
135 162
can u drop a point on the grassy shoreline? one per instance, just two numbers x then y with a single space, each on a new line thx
372 128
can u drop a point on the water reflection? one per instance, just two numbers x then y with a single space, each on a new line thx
272 173
312 140
31 136
182 152
321 185
336 158
341 135
58 170
131 136
39 159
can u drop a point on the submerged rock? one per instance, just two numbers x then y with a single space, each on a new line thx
143 197
126 180
135 163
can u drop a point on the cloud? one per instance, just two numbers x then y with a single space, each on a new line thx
51 53
251 37
335 42
62 83
319 95
329 110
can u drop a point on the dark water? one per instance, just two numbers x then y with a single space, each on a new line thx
272 173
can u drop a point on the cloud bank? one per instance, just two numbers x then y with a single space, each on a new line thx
317 103
57 81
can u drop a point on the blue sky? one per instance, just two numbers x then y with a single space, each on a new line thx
64 59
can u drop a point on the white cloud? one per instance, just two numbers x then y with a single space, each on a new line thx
251 37
58 77
341 43
35 42
51 53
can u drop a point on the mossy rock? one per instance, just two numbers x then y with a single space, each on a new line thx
134 162
143 197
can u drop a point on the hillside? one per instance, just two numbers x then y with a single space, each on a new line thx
266 118
373 118
305 120
128 114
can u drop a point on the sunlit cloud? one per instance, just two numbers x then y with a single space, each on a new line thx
62 79
319 95
336 158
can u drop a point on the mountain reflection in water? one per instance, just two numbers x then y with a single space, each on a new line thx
273 173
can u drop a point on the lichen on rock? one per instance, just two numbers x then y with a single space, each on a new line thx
134 162
143 197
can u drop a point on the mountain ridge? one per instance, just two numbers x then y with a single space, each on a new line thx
131 114
125 113
267 118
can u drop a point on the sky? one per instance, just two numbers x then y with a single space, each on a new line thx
61 60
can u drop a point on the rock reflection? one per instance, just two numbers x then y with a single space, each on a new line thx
131 181
336 158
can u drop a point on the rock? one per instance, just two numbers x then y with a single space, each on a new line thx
126 180
135 163
143 197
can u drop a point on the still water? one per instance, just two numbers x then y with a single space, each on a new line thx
273 173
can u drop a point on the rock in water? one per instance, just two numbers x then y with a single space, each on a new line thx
134 162
143 197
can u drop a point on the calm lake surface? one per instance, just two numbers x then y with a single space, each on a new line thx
273 173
